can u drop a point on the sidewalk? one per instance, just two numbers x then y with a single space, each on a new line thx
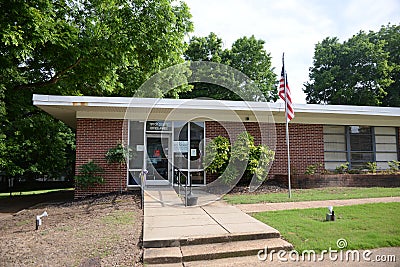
168 221
261 207
175 234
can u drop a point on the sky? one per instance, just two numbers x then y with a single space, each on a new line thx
291 26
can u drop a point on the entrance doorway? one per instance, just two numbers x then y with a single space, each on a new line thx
158 159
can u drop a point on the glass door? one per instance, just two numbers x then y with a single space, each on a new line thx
158 159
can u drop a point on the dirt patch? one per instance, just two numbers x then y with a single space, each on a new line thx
103 231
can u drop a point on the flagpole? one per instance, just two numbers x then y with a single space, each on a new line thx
287 124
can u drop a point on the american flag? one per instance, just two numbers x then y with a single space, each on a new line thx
286 93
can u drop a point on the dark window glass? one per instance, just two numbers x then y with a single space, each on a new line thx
181 145
136 143
361 142
196 144
361 146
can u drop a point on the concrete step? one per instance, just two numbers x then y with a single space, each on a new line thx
159 243
213 251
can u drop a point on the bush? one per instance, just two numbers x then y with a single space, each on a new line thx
218 152
311 169
243 152
89 175
342 168
394 166
118 154
371 166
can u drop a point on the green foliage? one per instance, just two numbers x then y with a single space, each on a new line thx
243 152
342 168
101 48
359 71
229 174
246 55
243 147
118 154
263 155
33 143
217 155
372 167
394 166
312 168
89 175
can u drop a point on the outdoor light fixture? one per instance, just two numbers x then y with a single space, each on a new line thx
39 219
331 215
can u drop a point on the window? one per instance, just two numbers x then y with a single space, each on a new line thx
181 145
189 149
359 145
334 146
196 152
360 141
385 146
136 142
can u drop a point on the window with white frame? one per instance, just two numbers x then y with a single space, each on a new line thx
359 145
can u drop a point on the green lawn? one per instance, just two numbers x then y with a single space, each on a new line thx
25 193
314 194
363 226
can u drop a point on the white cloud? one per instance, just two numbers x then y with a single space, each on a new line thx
291 26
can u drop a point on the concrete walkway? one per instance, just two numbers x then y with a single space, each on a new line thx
167 222
261 207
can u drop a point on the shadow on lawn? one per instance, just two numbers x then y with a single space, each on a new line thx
14 204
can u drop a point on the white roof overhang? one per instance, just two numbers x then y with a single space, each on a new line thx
69 108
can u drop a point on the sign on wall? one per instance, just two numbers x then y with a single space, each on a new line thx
181 146
158 126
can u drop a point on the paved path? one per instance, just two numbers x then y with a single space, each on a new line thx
379 257
166 219
260 207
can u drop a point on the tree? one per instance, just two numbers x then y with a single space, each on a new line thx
82 47
359 71
391 35
246 55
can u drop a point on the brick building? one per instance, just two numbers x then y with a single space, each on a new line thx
170 134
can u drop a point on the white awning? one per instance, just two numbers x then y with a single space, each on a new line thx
69 108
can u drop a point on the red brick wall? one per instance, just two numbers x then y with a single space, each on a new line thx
93 138
306 143
306 148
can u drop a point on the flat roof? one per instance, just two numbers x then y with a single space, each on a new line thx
69 108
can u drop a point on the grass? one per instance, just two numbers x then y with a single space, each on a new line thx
35 192
327 193
119 218
364 226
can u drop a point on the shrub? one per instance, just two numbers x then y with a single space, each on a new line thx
311 169
89 175
118 154
394 166
342 168
243 152
371 166
218 152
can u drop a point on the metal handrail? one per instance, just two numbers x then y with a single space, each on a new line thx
143 174
179 184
